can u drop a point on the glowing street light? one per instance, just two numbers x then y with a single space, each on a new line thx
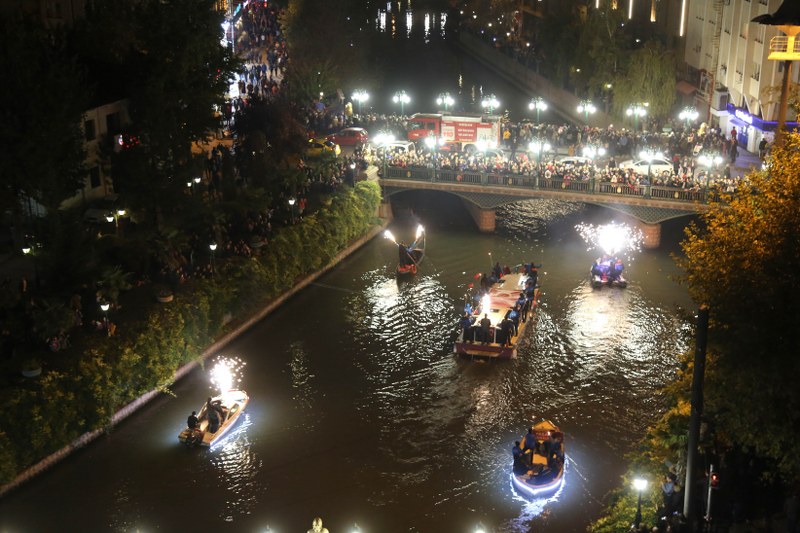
640 485
538 146
114 217
636 111
593 151
213 248
104 307
360 96
490 102
433 143
400 97
291 207
711 162
688 114
384 140
587 108
446 100
537 104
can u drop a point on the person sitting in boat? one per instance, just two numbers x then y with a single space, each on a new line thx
520 466
192 421
596 270
404 256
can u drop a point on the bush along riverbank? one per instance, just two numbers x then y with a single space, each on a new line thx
45 414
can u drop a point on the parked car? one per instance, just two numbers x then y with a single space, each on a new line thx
574 161
349 137
317 147
655 166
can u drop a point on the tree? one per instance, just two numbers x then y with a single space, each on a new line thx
601 47
41 112
649 77
744 262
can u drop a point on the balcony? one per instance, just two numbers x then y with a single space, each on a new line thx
784 48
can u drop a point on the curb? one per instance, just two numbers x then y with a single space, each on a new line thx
127 410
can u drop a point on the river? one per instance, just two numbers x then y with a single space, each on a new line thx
361 414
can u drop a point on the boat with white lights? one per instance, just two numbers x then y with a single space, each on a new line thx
409 257
607 271
493 327
538 468
216 418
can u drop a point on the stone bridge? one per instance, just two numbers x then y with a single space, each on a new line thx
482 193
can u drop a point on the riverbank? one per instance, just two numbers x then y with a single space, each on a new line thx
184 369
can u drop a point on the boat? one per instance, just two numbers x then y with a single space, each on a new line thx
540 471
501 298
231 404
607 271
409 257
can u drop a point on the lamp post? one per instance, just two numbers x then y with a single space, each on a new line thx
400 97
104 306
360 96
587 108
114 217
593 151
649 156
490 102
538 104
711 162
291 208
636 111
640 485
446 100
688 114
433 143
213 248
538 146
607 95
383 140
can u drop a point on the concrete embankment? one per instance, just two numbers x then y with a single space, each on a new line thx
214 348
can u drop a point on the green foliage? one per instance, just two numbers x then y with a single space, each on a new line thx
649 77
42 102
51 318
112 282
622 510
43 415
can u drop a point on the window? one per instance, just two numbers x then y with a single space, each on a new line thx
88 130
756 75
762 30
113 125
94 177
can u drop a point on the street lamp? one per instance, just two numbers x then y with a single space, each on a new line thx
383 140
446 100
538 146
433 143
537 104
114 217
689 114
360 96
636 111
649 156
711 162
587 108
400 97
490 102
213 248
640 485
593 151
291 208
104 306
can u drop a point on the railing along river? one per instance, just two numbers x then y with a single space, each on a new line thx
590 186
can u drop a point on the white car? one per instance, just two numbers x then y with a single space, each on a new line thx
574 161
656 167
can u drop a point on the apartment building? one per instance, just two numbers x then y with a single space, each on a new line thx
726 54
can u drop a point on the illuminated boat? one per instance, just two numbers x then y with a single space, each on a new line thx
606 272
501 298
409 257
231 404
543 473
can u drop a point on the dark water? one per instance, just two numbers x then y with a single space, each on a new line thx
361 414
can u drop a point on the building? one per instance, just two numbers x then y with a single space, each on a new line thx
727 59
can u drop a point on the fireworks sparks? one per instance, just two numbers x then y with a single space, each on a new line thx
611 239
226 373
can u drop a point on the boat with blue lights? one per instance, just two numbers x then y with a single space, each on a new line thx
493 327
607 271
539 460
217 416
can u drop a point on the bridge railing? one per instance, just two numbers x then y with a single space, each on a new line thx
590 186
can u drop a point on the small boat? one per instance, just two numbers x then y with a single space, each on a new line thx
498 343
409 257
227 407
540 471
606 271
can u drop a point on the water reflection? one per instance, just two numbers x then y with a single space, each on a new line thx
236 465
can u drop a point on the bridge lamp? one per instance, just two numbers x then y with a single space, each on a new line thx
400 97
587 108
445 100
688 114
537 104
360 96
636 111
490 102
640 485
538 147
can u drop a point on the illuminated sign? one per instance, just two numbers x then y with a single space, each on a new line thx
743 116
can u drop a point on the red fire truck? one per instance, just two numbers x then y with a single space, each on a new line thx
464 132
